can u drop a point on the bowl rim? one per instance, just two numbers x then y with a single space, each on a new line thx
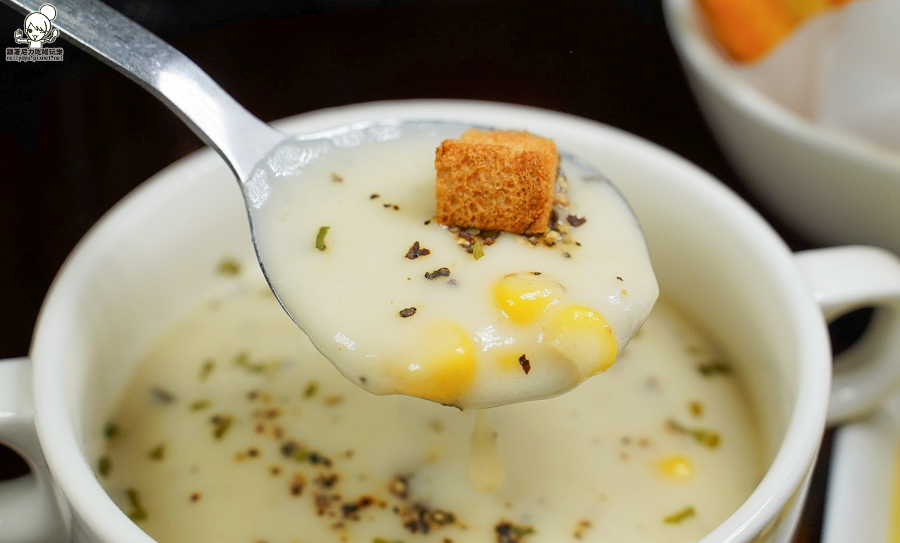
710 64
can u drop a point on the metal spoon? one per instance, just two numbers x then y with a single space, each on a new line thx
259 155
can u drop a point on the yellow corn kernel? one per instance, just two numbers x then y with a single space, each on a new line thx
444 368
583 336
522 298
677 467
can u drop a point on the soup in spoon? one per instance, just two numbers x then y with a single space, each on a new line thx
404 305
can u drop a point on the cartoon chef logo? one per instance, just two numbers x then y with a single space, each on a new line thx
38 28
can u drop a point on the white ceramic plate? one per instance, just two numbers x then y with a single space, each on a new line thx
863 476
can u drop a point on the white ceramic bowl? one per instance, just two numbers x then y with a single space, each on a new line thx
828 185
149 258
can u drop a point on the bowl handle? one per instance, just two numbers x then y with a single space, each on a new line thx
843 279
31 509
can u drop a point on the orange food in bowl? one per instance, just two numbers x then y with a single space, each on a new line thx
748 29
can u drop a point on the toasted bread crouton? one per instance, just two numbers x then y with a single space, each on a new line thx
497 180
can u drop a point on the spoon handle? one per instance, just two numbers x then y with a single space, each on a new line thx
222 123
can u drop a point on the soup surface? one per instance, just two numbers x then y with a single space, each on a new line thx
345 230
235 429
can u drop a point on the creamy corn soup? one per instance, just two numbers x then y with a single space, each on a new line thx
401 304
235 429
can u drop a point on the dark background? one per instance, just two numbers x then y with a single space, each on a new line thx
75 136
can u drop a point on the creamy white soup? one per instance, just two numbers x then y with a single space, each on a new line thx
401 304
235 429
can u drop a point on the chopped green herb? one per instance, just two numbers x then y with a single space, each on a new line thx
111 431
137 510
199 405
208 366
679 516
221 425
243 360
707 438
158 452
320 237
229 267
713 368
311 389
522 530
508 532
104 465
477 249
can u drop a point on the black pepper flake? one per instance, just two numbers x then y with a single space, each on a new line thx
535 273
396 207
317 459
575 221
415 251
427 222
508 532
196 496
104 464
418 518
408 312
297 484
323 503
293 450
399 486
351 510
387 205
566 254
137 510
110 431
525 363
619 278
440 272
158 452
161 395
374 196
